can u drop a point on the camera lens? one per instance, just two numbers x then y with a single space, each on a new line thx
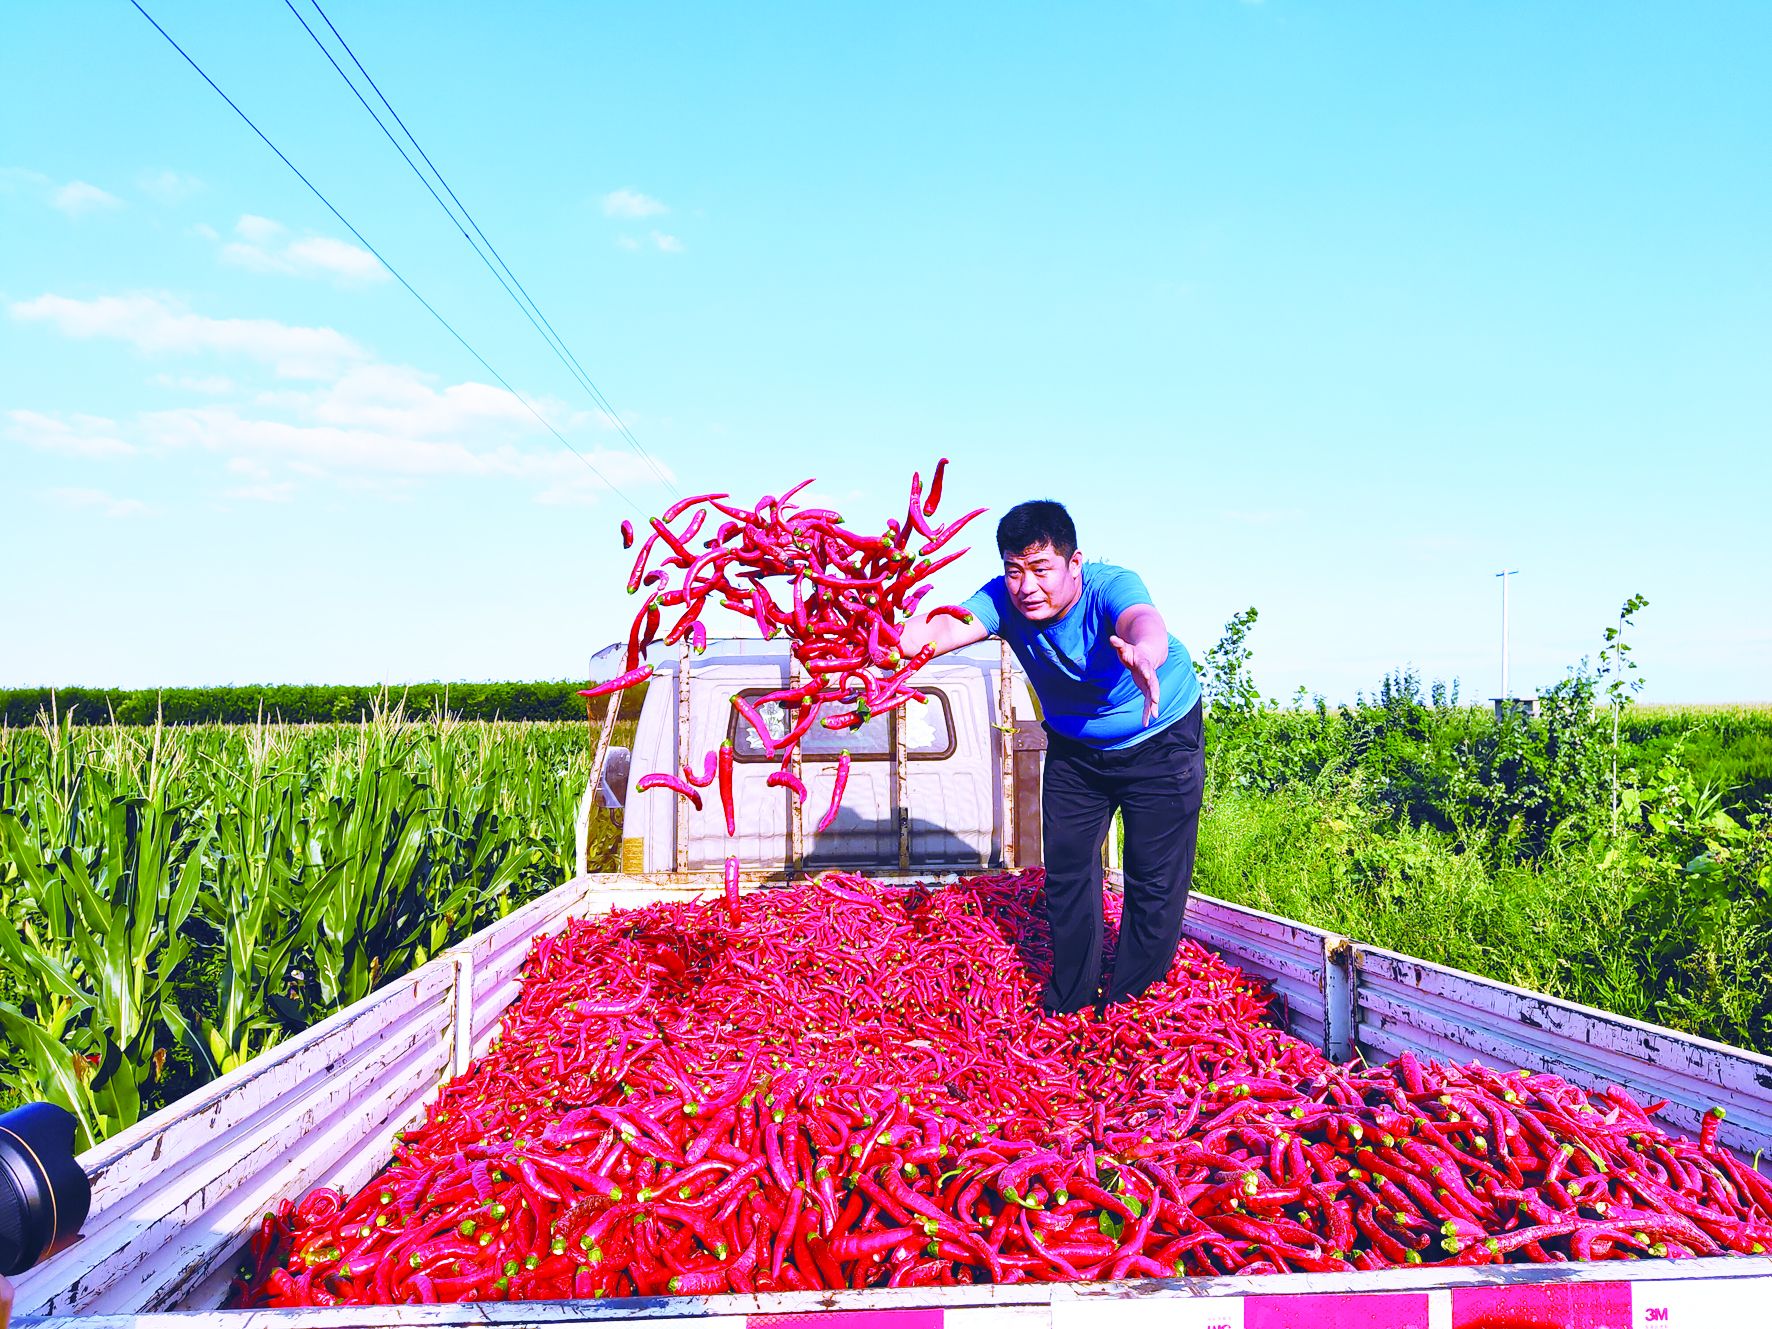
43 1193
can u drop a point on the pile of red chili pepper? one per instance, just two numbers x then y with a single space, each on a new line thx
895 1111
841 597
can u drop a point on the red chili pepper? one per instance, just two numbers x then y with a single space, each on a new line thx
957 612
842 779
1707 1130
726 789
756 722
675 784
933 500
789 781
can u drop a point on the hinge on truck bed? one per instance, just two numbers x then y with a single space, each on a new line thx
1338 998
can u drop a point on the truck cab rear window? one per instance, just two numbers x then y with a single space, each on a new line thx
929 731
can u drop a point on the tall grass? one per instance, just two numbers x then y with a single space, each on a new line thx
1490 846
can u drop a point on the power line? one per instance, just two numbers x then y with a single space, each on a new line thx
524 301
392 270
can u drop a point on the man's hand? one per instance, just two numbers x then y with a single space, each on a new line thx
1142 641
1143 672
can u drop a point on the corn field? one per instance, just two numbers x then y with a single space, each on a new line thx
174 901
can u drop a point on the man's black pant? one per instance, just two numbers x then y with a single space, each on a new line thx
1157 784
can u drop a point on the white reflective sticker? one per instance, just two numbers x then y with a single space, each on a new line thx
1160 1312
1712 1303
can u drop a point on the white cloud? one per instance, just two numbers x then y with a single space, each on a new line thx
77 198
226 429
259 250
360 426
397 400
629 203
322 253
384 423
106 505
156 324
168 187
257 230
17 180
668 244
205 230
211 385
75 435
238 254
279 492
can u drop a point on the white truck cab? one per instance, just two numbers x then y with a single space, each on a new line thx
926 782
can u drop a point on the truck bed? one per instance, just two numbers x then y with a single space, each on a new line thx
175 1196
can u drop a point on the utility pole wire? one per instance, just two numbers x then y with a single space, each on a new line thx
525 302
392 270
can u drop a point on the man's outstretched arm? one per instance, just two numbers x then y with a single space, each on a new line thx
1142 640
942 631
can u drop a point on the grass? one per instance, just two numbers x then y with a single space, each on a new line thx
1408 889
1618 931
1727 747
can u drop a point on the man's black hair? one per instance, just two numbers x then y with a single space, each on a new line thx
1037 522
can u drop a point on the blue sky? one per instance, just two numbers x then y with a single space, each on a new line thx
1329 309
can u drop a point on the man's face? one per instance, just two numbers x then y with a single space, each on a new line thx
1041 584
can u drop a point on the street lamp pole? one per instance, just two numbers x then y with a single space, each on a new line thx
1506 696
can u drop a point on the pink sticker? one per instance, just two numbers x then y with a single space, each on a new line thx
1371 1310
911 1317
1543 1306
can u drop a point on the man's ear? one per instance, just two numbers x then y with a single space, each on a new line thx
1076 561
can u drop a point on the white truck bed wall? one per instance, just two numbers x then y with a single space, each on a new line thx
1346 997
1653 1294
176 1196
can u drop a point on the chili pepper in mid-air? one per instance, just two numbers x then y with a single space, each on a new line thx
837 786
849 594
789 781
618 683
674 783
726 804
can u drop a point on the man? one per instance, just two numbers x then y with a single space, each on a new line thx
1122 715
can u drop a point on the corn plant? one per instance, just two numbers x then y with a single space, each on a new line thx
107 875
174 901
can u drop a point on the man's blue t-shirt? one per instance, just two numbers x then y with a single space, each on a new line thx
1086 693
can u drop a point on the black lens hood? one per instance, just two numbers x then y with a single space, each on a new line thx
44 1195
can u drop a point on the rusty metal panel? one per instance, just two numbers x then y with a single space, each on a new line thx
680 842
1004 729
1029 742
901 787
796 807
1403 1002
588 803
